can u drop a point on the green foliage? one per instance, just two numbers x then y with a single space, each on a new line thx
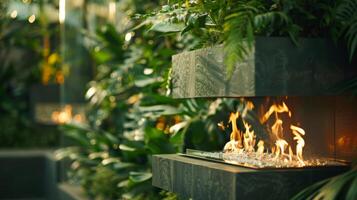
346 86
346 14
343 186
125 104
20 41
235 23
130 118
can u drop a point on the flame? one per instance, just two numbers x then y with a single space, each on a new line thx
248 106
236 135
240 141
275 109
246 141
277 129
221 126
300 141
235 143
260 145
290 154
249 138
281 146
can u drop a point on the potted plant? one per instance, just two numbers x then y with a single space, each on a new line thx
269 47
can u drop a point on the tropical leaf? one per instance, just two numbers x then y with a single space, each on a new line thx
348 86
158 110
138 177
167 27
239 33
346 13
339 187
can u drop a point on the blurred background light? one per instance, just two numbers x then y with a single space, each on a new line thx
13 14
148 71
128 36
62 11
32 18
112 11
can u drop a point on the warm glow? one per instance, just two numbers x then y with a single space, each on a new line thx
112 10
128 36
32 19
62 11
13 14
242 144
147 71
260 145
66 115
235 144
275 109
298 132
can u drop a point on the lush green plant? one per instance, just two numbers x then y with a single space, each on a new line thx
116 97
346 14
347 18
235 23
343 186
130 118
19 41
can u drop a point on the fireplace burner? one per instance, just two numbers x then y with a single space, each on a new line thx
292 130
256 162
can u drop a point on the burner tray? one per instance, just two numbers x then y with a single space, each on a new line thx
261 162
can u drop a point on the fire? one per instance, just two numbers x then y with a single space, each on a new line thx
260 145
240 141
249 138
276 109
244 142
236 135
298 132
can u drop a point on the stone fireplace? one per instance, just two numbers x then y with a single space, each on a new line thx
278 78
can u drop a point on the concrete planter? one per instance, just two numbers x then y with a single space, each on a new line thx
275 67
202 180
33 174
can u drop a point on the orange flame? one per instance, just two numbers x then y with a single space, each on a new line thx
300 141
235 143
249 138
275 109
260 147
246 141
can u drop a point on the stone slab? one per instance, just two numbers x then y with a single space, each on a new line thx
200 179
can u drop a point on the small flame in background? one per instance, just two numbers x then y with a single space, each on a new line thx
66 116
245 142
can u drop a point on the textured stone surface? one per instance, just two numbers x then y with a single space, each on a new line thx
27 174
276 67
200 179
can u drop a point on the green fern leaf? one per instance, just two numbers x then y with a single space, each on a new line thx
347 15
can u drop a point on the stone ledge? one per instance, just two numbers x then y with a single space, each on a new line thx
200 179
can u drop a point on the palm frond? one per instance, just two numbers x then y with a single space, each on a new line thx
346 13
332 188
239 33
270 18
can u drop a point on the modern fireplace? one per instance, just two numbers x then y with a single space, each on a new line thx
291 132
292 127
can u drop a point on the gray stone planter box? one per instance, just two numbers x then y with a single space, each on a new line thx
27 174
276 67
203 180
33 174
